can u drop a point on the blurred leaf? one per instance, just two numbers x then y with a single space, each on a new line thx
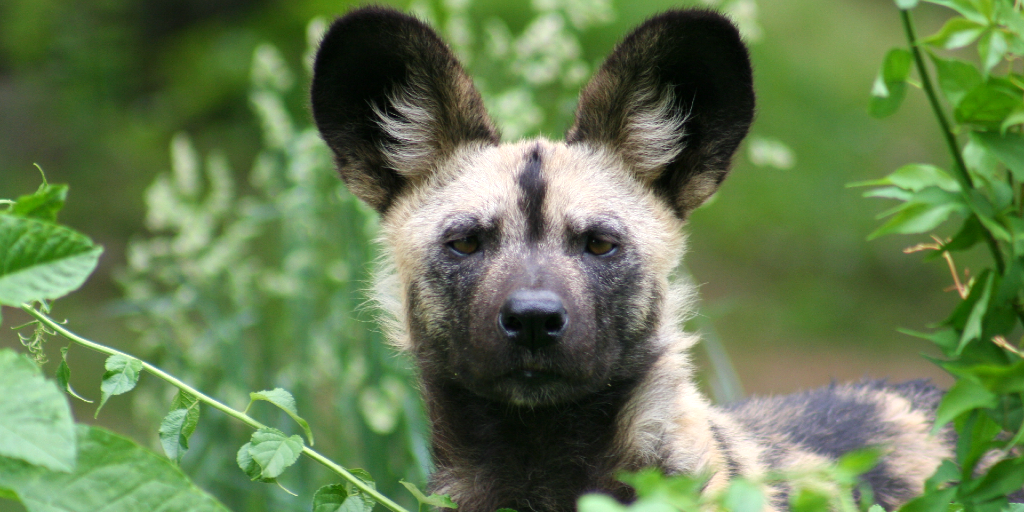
988 104
970 233
964 7
809 500
906 4
991 48
858 462
743 496
956 33
35 419
179 424
40 260
1004 478
595 502
434 500
354 491
44 204
947 339
64 374
334 498
286 402
274 451
121 376
113 474
923 212
1014 118
934 501
249 465
915 177
956 77
890 85
1008 148
973 325
965 395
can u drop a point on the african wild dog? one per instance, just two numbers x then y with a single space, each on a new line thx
531 280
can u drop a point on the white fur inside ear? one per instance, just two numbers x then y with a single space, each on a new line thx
413 130
654 132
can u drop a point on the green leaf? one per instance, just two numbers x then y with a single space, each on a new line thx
988 104
113 475
367 479
286 402
858 462
905 5
39 260
44 204
955 77
179 424
64 375
1004 478
947 339
599 503
121 377
743 496
890 85
935 501
991 48
917 217
965 395
1014 118
274 451
809 500
964 7
249 466
35 419
956 33
334 498
1008 148
973 326
434 500
915 177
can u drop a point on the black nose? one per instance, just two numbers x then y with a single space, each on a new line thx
533 318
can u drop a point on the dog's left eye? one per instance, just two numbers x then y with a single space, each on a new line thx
465 246
599 247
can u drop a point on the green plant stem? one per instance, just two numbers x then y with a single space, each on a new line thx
241 416
947 132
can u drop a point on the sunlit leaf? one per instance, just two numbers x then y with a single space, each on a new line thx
1008 148
35 419
121 377
113 474
286 402
274 451
956 33
965 7
991 48
40 260
956 77
915 177
890 85
965 395
906 4
744 496
44 204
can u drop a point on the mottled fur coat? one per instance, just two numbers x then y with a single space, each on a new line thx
530 281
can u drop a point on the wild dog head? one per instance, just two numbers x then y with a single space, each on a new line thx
535 272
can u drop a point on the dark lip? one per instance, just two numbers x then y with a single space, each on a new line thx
535 377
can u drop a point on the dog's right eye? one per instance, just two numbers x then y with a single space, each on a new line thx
465 246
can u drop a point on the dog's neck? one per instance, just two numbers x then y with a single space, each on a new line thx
491 454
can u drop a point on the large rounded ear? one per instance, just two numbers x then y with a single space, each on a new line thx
674 100
392 101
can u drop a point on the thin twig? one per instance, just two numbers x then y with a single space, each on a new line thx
248 420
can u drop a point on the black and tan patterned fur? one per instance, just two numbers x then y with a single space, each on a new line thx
532 417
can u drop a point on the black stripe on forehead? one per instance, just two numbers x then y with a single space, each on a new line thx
532 190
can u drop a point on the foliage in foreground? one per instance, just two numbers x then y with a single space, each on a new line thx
207 285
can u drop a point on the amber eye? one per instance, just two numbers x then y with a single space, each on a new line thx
465 246
599 247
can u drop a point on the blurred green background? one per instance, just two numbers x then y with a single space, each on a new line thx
94 91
